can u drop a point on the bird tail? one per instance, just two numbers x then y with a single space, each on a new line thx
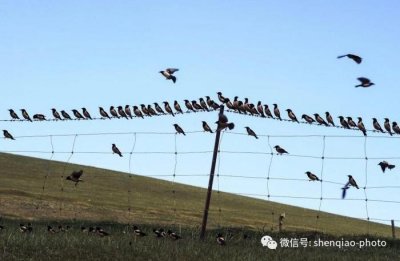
344 190
358 86
120 154
391 166
364 132
341 56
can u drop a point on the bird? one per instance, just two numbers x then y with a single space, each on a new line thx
138 232
137 112
13 115
376 125
65 115
220 240
216 106
385 165
235 103
25 115
168 74
320 120
103 113
25 228
260 109
351 122
365 82
276 111
177 107
361 126
121 112
56 115
39 117
228 104
168 108
7 135
251 132
196 105
158 108
78 115
312 176
128 111
329 118
51 230
145 110
116 150
268 111
291 115
75 177
179 129
63 229
99 231
159 232
206 127
189 106
151 110
209 101
386 125
223 122
307 118
203 104
86 113
354 57
173 235
221 98
351 182
280 150
395 127
343 122
114 112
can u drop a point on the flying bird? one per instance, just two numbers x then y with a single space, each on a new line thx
280 150
351 122
365 82
343 122
116 150
56 115
206 127
223 122
78 115
114 112
86 113
312 176
307 118
386 125
376 125
137 112
75 177
277 112
103 113
385 165
320 120
251 132
395 127
13 115
25 115
291 115
177 107
128 111
220 240
65 115
7 135
329 118
39 117
179 129
168 108
168 74
361 126
354 57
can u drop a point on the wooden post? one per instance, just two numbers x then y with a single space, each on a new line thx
393 230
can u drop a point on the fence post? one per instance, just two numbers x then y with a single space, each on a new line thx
393 230
211 180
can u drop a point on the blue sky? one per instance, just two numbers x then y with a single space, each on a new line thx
99 53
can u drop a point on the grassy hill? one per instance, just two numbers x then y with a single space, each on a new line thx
26 193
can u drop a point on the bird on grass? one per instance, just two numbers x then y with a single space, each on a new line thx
376 125
351 183
385 165
7 135
138 232
78 115
51 230
251 132
312 176
103 113
329 118
13 115
386 125
86 113
116 150
101 232
159 232
343 122
220 240
307 118
56 115
63 229
39 117
395 127
177 107
206 127
65 115
179 130
361 126
168 74
25 115
137 112
354 57
277 112
280 150
25 228
291 115
365 82
320 120
168 108
173 235
113 112
75 177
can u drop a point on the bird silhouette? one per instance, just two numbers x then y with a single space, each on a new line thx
365 82
291 115
307 118
86 113
280 150
145 110
113 112
137 112
103 113
260 109
395 127
277 112
386 165
221 98
329 118
206 128
179 130
343 122
7 135
168 74
75 177
13 115
196 106
168 108
39 117
26 115
354 57
320 120
386 125
361 126
189 106
158 108
78 115
138 232
220 240
65 115
203 104
351 122
173 235
121 112
312 176
267 111
251 132
56 115
177 107
376 125
128 111
116 150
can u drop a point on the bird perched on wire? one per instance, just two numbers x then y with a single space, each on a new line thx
145 110
128 111
173 235
365 82
267 111
151 110
168 74
158 108
25 228
228 104
137 112
25 115
376 125
280 150
220 240
385 165
177 107
206 128
395 127
221 98
351 122
329 118
103 113
75 177
121 112
276 111
307 118
260 109
203 104
354 57
179 130
116 150
86 113
7 135
189 106
78 115
113 112
312 176
168 108
343 122
65 115
361 126
138 232
56 115
250 132
351 182
320 120
196 106
386 125
291 115
39 117
13 115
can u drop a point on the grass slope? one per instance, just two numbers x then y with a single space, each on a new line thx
103 196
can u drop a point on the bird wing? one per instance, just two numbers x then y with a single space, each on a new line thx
355 58
363 80
171 70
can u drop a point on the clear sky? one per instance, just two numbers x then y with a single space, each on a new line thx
73 54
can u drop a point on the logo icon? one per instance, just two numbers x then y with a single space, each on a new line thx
269 242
